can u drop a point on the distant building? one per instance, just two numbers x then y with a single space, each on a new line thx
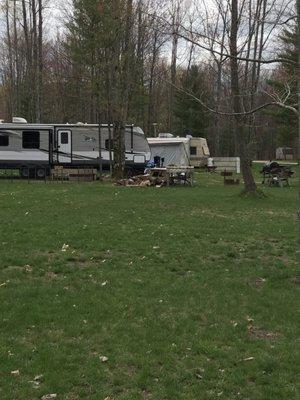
285 153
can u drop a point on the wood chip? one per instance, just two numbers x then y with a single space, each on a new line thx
49 396
15 372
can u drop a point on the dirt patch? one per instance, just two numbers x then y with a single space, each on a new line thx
79 262
257 282
50 276
295 280
14 268
284 259
146 394
256 333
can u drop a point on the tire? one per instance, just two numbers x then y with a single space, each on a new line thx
40 172
24 172
129 172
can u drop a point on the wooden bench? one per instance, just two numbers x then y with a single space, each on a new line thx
228 179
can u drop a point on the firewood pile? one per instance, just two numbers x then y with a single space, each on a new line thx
135 181
154 178
159 177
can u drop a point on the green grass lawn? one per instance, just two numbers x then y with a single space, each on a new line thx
189 292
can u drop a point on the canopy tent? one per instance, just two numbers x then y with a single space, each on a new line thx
172 151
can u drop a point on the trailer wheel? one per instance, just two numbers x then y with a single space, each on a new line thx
24 172
129 172
40 172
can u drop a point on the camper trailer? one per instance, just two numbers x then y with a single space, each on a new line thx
170 150
27 146
199 151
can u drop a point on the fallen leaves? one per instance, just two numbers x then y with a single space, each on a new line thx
49 396
257 333
257 282
36 382
248 359
28 268
65 247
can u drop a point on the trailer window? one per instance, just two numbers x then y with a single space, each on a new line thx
64 138
4 141
31 140
193 150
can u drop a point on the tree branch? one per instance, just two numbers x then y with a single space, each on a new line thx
244 113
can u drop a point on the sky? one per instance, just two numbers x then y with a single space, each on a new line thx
198 13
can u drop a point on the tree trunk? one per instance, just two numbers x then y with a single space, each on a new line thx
34 75
298 76
16 62
121 96
151 84
10 61
173 66
40 63
250 186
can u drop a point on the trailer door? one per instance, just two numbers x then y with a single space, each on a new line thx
64 146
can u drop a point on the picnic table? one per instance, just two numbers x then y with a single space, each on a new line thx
276 175
172 175
180 175
277 178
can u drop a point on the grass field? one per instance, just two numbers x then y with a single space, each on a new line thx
189 292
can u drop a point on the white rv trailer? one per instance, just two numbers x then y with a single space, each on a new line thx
179 150
42 146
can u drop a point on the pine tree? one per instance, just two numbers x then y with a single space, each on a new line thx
191 118
100 42
286 74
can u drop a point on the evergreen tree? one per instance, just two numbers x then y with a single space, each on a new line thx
286 74
191 117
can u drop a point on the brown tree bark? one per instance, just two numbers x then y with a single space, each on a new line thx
250 186
151 83
34 74
40 63
16 62
298 77
10 101
175 27
121 93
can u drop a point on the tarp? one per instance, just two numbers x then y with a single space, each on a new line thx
174 151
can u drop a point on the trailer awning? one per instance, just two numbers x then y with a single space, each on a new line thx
9 133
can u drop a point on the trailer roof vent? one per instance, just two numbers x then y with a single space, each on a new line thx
19 120
165 135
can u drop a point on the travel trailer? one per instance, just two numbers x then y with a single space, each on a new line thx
40 147
170 150
199 151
